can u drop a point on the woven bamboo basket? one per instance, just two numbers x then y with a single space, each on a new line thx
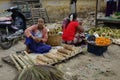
54 39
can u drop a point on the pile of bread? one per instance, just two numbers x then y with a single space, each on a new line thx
63 53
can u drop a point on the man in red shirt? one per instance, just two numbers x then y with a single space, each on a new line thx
72 31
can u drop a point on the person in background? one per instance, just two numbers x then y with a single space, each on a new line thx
73 6
111 7
36 36
73 33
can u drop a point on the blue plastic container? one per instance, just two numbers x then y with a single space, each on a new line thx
97 50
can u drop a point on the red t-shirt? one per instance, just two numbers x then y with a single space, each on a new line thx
70 31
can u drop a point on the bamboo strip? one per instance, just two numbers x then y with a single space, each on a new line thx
24 61
26 53
16 64
21 63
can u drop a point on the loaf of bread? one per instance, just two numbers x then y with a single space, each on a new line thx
55 56
51 56
44 59
62 54
69 47
40 62
64 51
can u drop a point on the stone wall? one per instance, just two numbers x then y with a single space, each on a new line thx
4 4
58 9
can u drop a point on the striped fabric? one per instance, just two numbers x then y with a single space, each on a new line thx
79 37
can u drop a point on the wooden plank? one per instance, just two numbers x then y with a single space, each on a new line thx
109 20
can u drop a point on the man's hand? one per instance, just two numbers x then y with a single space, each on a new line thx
36 39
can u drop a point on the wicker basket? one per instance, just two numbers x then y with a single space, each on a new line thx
54 40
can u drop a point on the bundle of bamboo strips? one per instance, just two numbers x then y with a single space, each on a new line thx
28 70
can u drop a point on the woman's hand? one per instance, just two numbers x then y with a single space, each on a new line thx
80 29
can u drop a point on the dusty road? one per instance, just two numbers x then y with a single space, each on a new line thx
82 67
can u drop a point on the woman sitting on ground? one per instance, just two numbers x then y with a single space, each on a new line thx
73 33
36 36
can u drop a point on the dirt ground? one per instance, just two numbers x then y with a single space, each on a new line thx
82 67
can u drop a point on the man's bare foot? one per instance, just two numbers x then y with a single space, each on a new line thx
28 50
